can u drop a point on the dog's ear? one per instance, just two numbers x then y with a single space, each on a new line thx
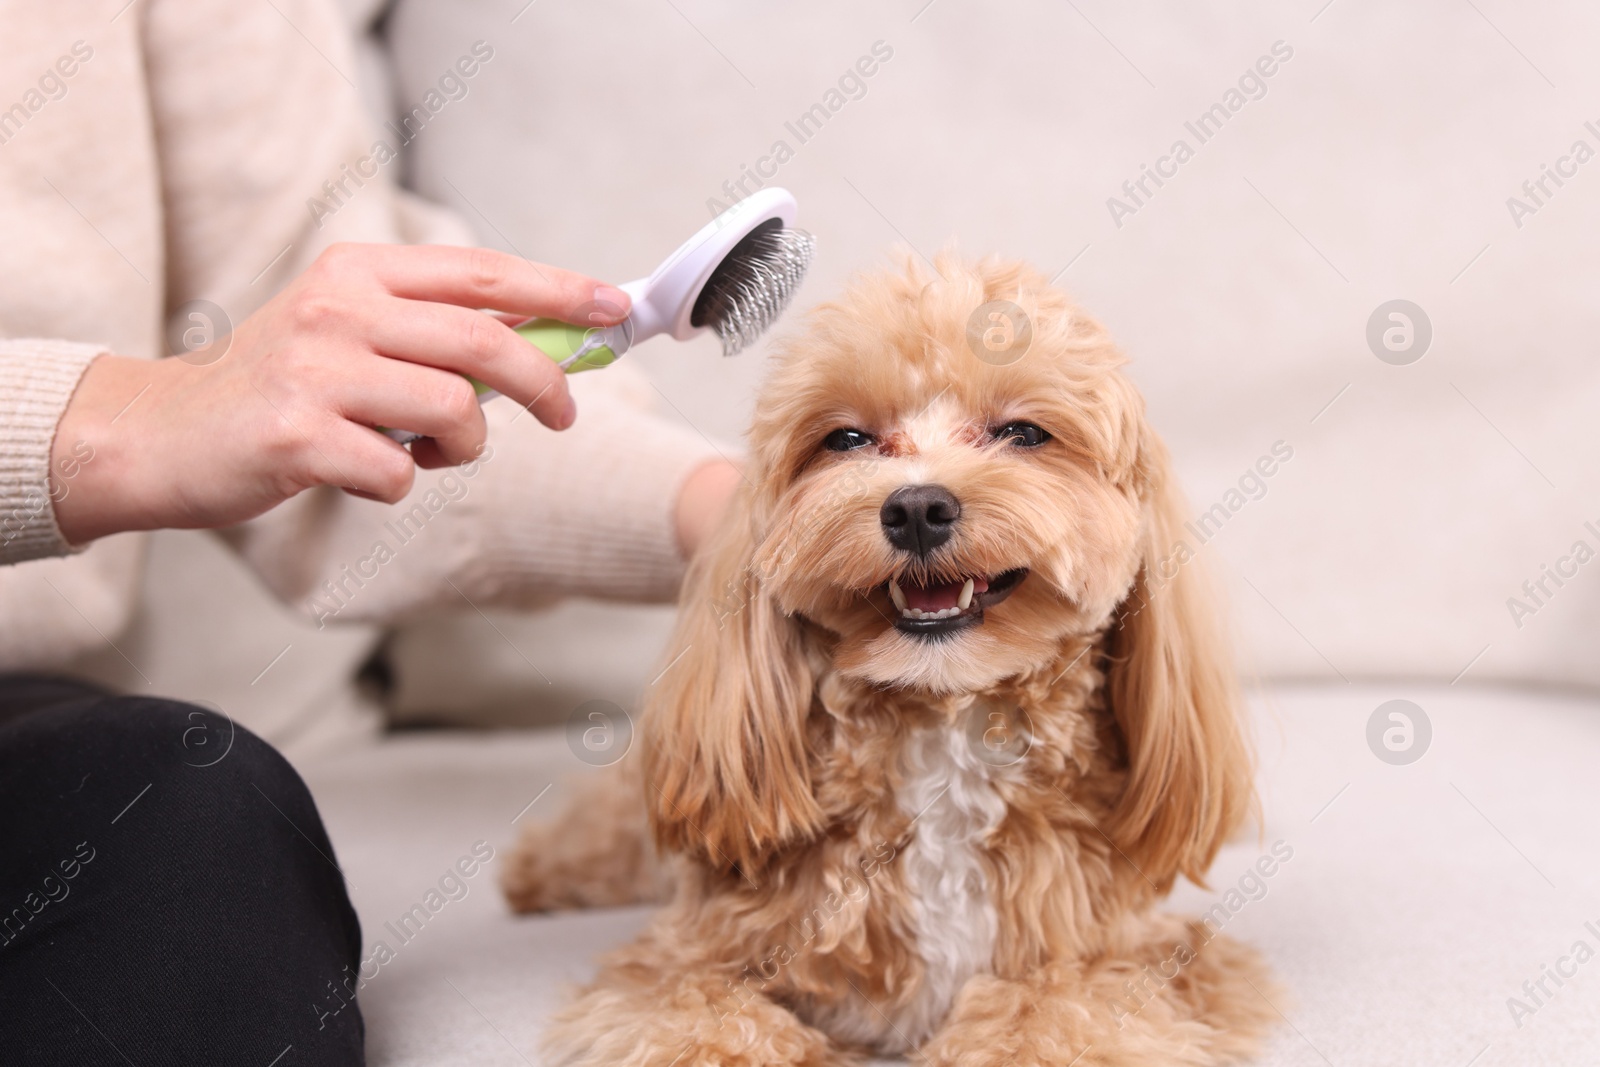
1173 690
724 725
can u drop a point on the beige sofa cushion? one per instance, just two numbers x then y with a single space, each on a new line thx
1417 900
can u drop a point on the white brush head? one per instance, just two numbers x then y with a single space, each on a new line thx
753 284
734 277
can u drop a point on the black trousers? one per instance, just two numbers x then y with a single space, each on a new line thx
167 892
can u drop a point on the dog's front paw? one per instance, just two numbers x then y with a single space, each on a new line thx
1207 1012
1001 1023
661 1047
681 1021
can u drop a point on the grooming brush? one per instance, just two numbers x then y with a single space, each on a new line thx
734 277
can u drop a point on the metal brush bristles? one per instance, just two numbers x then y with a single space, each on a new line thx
753 284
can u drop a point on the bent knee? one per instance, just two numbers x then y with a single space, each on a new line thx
134 737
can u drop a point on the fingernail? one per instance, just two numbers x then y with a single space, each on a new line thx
569 415
612 303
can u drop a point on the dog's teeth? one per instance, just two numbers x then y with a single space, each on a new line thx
918 613
965 601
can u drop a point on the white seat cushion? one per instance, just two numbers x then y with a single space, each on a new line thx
1417 900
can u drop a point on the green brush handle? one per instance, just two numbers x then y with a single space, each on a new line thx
562 342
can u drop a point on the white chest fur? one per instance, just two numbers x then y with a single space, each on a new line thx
947 791
949 794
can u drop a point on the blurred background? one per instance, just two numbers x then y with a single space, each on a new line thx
1322 161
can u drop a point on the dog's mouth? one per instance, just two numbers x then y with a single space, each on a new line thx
941 608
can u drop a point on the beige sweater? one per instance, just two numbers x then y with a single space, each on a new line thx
166 151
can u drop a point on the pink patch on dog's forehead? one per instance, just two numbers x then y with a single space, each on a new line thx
896 444
972 433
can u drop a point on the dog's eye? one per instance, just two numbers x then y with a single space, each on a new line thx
1023 434
846 440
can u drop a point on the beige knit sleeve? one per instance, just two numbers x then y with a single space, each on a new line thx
37 378
586 512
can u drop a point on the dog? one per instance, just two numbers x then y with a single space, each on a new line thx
942 721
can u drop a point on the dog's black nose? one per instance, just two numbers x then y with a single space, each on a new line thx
919 518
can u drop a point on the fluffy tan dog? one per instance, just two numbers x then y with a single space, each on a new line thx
941 724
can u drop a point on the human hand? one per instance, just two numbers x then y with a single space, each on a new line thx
702 502
368 335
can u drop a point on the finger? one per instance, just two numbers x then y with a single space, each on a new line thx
368 464
485 278
476 345
405 396
426 454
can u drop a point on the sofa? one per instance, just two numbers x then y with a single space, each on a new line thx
1415 901
1324 232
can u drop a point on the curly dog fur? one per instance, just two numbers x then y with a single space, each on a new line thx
899 812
